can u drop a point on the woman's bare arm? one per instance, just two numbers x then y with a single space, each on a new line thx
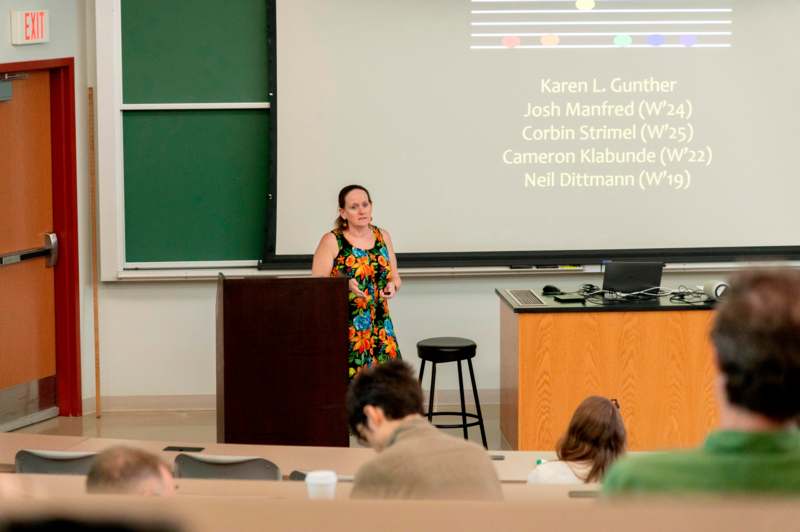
392 260
325 254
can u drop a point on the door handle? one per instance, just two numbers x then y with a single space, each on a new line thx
48 250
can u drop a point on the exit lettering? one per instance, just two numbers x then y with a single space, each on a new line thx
30 27
34 25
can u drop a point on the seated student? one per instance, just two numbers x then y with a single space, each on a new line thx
125 470
416 460
756 336
595 438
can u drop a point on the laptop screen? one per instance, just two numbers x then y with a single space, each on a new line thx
629 277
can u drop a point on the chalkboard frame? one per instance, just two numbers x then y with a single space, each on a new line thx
272 187
193 102
530 259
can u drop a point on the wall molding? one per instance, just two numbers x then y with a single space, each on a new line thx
154 403
151 403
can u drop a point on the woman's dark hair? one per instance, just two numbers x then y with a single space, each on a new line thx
392 386
595 434
340 223
756 335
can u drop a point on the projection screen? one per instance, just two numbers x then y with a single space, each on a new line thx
540 126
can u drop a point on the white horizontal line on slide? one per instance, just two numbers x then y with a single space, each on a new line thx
605 23
593 11
573 46
572 2
599 33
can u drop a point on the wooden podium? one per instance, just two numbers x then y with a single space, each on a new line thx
282 361
655 359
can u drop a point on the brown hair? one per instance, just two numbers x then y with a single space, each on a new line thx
756 335
595 434
392 386
340 223
120 469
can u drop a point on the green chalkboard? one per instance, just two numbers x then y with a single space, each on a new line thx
195 184
196 181
194 51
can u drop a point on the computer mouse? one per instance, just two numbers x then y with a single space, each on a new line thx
550 290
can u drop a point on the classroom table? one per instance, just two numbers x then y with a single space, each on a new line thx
344 460
244 514
41 486
513 467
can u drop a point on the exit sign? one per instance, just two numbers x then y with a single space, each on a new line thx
30 27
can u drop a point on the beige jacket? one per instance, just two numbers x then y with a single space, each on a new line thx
421 462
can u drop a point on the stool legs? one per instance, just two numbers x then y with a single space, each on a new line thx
463 406
477 402
463 413
430 394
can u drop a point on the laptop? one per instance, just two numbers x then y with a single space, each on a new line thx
630 277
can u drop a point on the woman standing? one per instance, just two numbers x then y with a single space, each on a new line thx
363 253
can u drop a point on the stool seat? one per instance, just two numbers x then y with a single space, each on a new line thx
451 349
446 349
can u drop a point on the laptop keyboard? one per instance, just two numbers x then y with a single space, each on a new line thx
526 297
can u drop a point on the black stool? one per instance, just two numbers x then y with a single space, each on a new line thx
450 349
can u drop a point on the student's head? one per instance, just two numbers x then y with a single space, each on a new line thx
131 471
354 203
378 398
596 434
756 335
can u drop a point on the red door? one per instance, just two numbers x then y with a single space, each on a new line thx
38 304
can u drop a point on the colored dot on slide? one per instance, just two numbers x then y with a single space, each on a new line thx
550 40
656 40
623 40
511 41
585 4
688 40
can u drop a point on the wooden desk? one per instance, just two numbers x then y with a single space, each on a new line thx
244 514
11 442
344 460
655 359
515 465
55 486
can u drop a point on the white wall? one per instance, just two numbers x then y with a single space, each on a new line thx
157 338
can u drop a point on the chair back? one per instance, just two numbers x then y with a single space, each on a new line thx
53 462
229 467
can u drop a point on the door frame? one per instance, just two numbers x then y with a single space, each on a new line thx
65 225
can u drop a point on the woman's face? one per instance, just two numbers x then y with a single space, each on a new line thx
357 209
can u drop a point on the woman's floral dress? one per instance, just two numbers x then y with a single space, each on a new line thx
371 332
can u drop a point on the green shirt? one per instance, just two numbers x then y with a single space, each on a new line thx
729 461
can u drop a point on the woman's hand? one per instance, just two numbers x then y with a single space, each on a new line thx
353 284
389 291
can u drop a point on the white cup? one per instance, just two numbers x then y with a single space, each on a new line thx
321 484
